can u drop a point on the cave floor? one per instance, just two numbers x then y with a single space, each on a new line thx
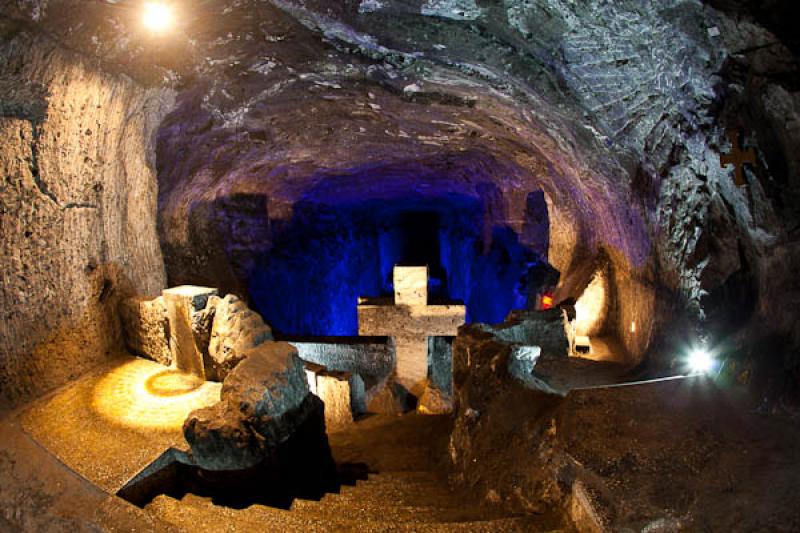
564 374
690 449
115 421
606 365
39 493
680 448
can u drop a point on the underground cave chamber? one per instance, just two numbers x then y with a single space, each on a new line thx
197 219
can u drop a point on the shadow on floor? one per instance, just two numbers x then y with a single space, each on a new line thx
302 467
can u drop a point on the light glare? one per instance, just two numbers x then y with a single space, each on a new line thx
144 395
157 16
701 361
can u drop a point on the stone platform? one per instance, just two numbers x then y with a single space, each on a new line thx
114 422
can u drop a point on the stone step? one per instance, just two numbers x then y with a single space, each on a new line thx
405 496
399 490
193 512
382 510
413 477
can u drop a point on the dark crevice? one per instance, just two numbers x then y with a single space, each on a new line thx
33 165
34 168
74 205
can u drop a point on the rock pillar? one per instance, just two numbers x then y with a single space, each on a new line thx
181 302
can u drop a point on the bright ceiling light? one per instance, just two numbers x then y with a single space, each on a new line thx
701 361
157 16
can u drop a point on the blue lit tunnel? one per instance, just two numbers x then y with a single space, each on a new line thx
343 242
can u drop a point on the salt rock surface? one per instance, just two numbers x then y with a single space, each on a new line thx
145 326
235 330
263 401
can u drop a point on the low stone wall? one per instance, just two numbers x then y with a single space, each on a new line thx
374 364
223 330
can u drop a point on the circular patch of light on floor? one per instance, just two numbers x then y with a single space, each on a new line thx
146 395
172 382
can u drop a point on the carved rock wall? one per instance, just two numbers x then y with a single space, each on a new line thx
77 210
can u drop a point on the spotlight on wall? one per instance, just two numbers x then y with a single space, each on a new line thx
700 361
157 16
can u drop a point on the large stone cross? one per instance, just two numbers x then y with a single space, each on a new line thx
410 321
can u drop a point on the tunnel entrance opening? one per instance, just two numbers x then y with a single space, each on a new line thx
419 243
419 239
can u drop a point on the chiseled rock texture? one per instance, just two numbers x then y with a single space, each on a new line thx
77 208
545 329
372 361
145 327
235 331
335 389
263 401
490 405
224 331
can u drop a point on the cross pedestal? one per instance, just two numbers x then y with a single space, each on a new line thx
410 321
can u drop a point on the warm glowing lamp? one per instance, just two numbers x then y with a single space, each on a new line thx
157 16
547 302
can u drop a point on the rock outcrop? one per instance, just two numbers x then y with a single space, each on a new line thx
264 400
236 330
545 329
493 406
601 455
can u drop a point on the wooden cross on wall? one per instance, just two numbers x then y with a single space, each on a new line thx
738 158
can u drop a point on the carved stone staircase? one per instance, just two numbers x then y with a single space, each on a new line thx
402 492
393 501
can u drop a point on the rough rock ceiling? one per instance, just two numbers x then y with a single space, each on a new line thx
616 110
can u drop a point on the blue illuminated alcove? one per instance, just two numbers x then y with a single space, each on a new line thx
344 240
